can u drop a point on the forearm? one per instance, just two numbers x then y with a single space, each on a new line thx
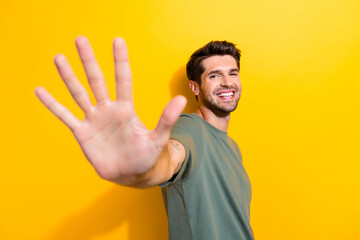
168 163
161 172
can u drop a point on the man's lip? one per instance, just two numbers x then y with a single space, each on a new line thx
226 91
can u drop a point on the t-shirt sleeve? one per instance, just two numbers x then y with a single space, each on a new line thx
181 132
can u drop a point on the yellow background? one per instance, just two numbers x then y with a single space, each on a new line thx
297 123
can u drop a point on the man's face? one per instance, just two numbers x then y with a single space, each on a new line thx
220 84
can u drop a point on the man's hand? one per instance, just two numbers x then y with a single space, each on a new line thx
112 137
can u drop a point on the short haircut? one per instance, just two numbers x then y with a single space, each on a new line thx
194 67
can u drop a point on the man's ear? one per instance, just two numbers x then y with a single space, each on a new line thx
194 87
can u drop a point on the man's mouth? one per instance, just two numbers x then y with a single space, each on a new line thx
226 95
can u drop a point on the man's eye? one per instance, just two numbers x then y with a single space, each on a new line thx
214 76
233 74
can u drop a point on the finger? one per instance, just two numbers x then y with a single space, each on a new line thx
169 116
123 76
76 90
57 109
92 70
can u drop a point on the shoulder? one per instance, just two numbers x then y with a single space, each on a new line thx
188 119
189 132
187 124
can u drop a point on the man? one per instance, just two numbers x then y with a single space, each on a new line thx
205 187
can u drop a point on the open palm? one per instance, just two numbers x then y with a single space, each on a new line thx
112 137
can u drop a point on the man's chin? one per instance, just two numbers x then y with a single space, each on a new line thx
228 108
223 111
222 108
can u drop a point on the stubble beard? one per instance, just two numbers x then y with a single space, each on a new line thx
220 107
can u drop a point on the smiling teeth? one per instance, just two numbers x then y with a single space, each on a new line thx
226 94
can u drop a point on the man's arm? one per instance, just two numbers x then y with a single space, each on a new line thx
168 164
112 137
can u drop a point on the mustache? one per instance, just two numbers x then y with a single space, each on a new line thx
234 88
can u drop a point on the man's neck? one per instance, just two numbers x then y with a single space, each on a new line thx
220 121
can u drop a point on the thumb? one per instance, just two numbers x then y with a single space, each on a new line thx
169 116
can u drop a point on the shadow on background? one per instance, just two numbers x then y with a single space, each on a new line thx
179 85
142 210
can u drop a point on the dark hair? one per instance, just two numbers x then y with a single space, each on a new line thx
194 67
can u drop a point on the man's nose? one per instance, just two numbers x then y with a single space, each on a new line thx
226 82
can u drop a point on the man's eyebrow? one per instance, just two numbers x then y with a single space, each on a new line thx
218 71
213 71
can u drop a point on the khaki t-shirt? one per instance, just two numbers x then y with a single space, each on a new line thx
210 196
